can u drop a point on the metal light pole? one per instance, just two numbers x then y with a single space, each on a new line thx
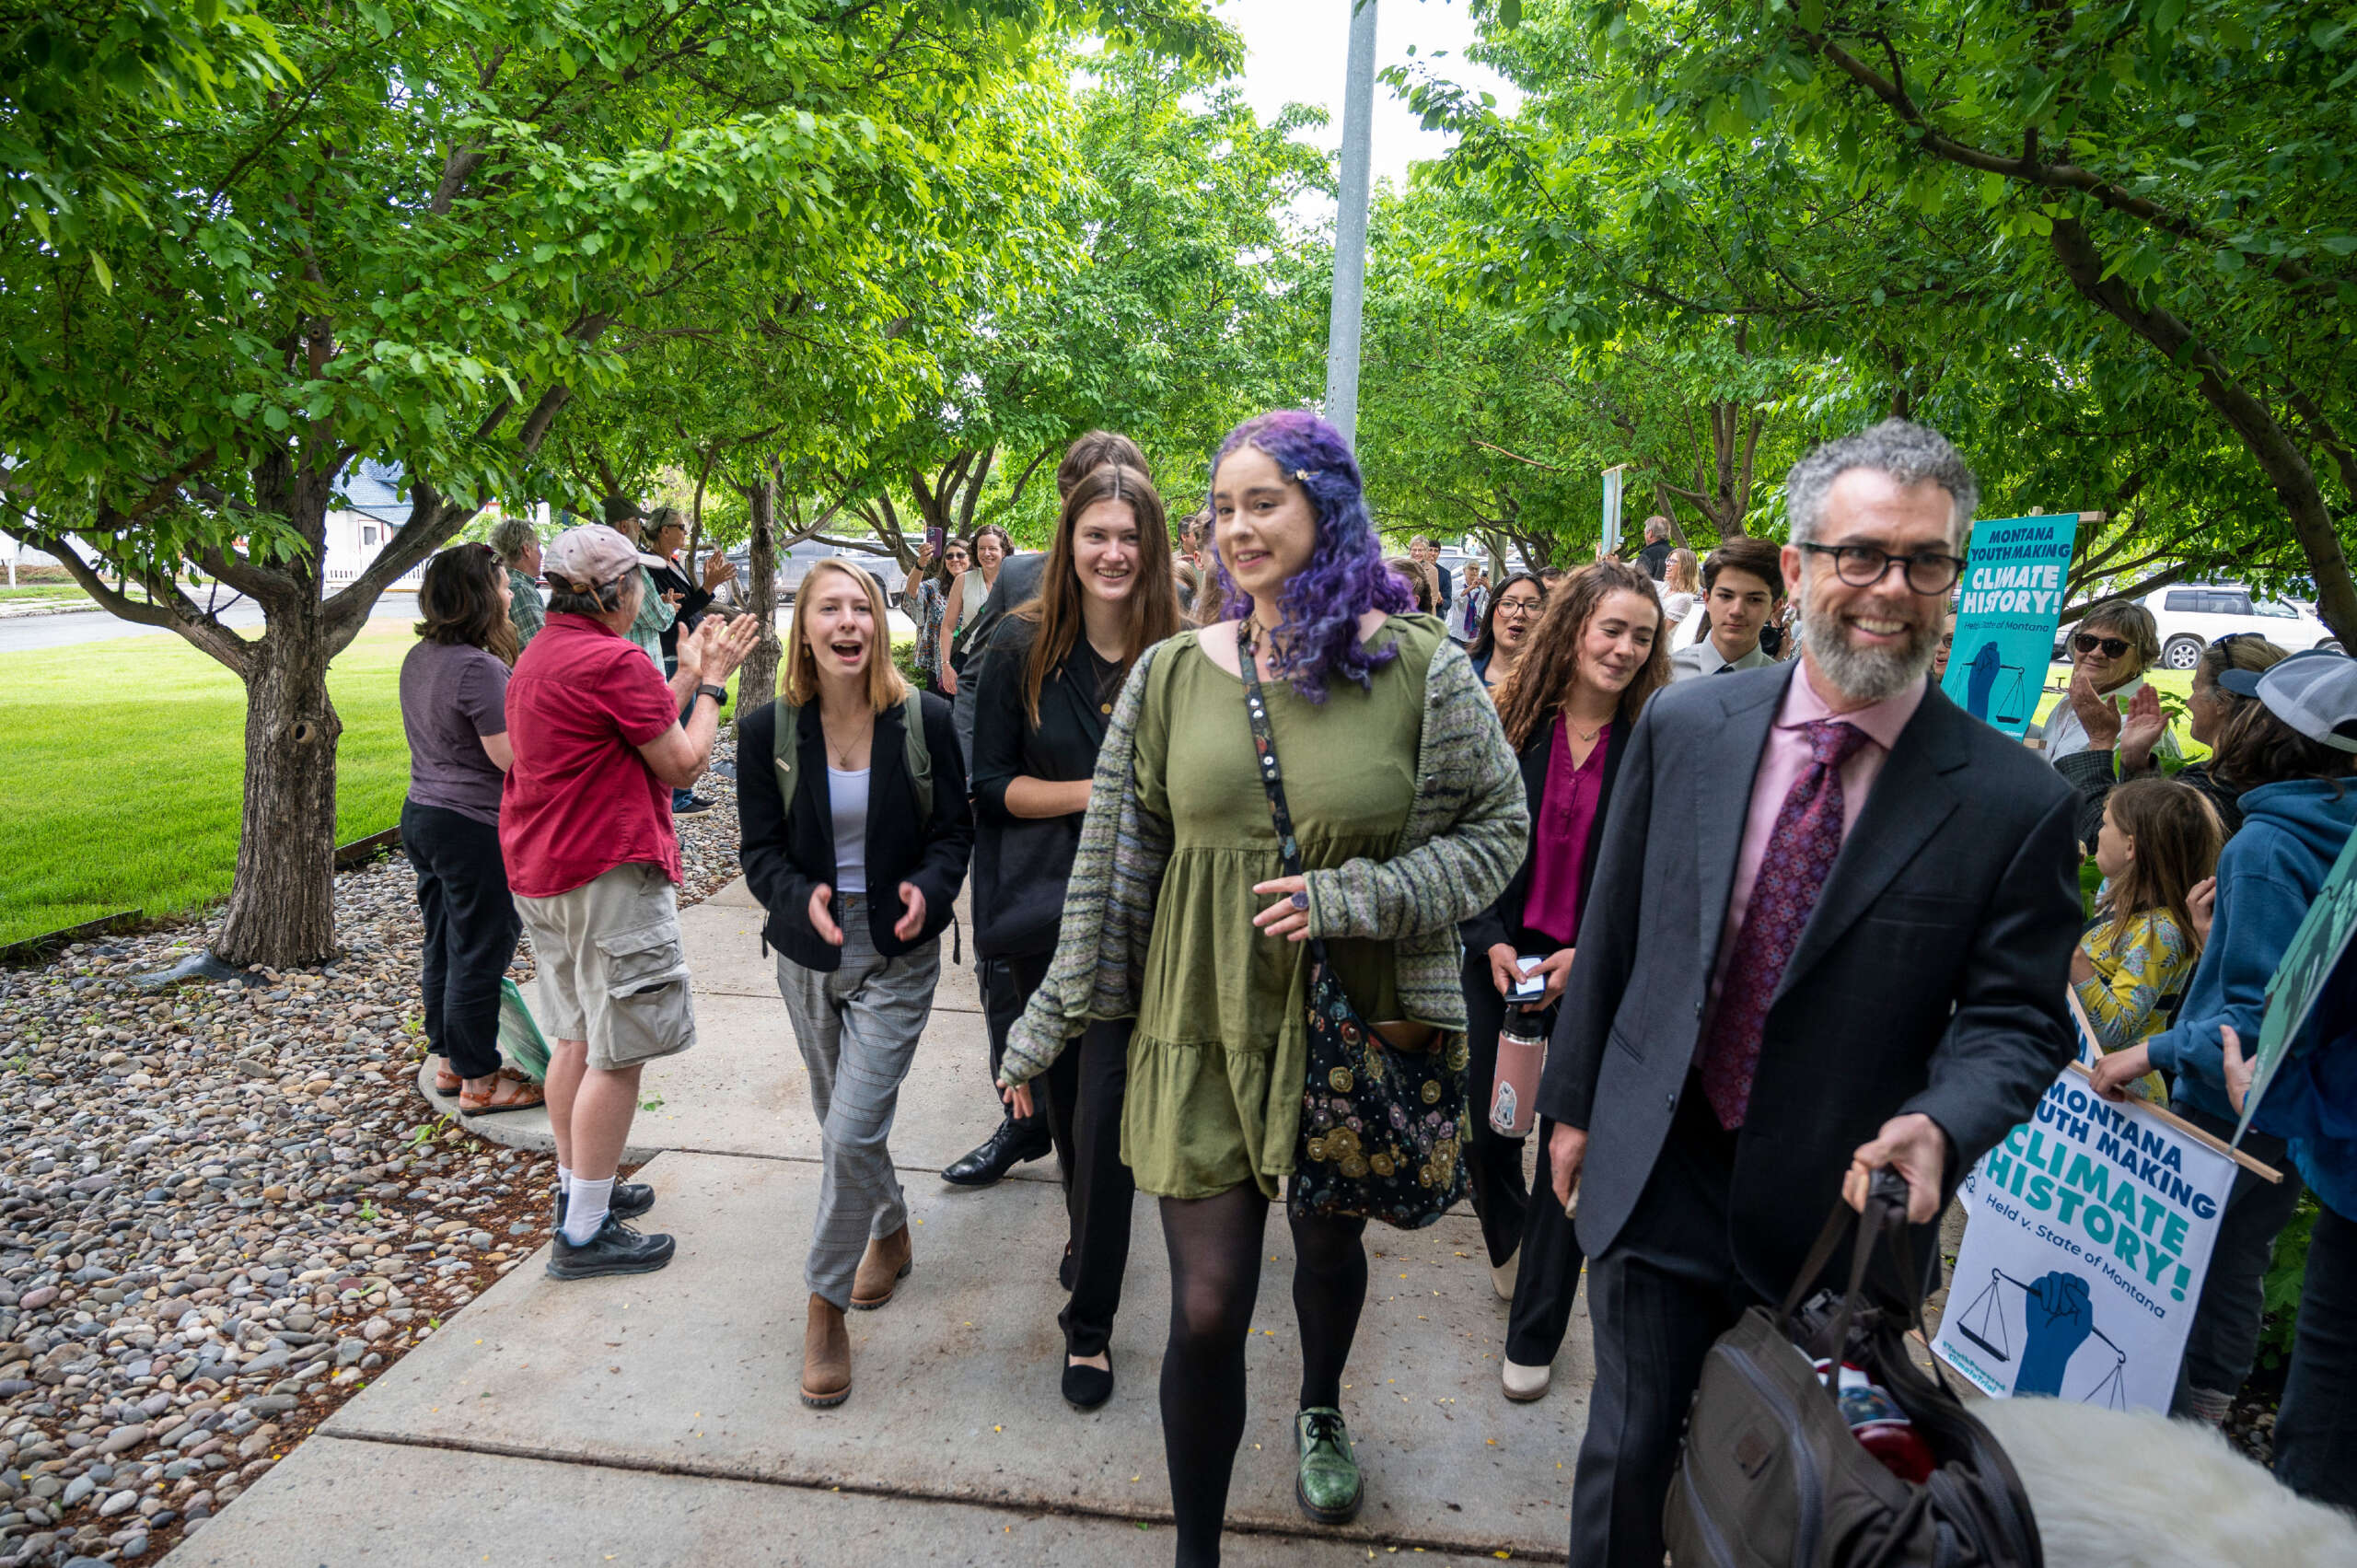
1350 227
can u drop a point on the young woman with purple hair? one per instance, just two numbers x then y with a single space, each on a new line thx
1409 815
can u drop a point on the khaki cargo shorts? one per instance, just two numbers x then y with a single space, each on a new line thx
613 969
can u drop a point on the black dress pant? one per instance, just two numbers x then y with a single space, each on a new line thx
470 931
1660 1295
1547 1281
1007 985
1085 1089
1493 1161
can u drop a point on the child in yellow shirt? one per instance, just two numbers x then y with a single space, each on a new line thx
2159 838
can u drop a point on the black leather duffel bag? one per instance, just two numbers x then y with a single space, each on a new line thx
1771 1475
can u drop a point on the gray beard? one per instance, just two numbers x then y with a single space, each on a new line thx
1870 675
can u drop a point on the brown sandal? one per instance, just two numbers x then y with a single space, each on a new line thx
446 1082
510 1090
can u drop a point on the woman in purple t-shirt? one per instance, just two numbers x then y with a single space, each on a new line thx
454 707
1569 707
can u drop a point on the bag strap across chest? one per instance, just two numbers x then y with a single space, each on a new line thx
915 751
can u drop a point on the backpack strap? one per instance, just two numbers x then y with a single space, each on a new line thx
786 753
917 752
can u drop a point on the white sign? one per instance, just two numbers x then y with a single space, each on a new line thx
2088 1232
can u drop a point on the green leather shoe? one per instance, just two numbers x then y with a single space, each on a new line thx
1327 1487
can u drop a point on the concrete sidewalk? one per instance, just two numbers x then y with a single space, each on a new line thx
656 1420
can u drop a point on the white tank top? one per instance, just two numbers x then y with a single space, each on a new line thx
847 797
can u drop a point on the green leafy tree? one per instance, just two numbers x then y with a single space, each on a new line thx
443 225
1167 297
2180 171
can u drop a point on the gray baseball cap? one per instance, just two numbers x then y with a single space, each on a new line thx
2314 693
592 555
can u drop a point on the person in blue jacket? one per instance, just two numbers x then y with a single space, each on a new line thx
2312 1103
2291 754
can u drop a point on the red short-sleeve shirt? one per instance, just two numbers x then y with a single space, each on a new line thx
580 800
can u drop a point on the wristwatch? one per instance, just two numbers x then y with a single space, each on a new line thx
719 694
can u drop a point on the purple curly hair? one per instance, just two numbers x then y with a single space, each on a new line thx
1345 577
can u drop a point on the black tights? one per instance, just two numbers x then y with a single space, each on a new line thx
1214 1278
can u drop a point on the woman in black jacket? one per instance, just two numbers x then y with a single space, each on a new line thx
1568 708
1048 680
854 836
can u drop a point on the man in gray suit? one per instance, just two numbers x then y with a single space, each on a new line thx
1830 932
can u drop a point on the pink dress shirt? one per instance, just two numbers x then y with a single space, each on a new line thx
1785 758
1559 855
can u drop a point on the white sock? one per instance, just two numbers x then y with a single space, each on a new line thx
585 1208
563 1180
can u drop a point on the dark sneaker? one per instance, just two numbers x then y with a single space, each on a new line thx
1327 1487
629 1200
615 1249
694 806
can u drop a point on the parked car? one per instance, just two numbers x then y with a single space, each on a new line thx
2192 616
793 563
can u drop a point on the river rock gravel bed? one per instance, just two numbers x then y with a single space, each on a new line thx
224 1209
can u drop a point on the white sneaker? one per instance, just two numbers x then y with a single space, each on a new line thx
1524 1384
1501 1275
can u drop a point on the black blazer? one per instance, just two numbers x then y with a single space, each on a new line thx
786 856
1929 978
1502 922
1021 864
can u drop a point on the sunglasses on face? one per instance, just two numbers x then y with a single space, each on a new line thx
2087 642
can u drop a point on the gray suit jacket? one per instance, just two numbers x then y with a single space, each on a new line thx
1930 977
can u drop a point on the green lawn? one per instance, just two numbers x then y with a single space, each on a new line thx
34 593
123 769
122 766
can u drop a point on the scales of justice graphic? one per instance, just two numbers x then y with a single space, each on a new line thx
2058 1318
1990 684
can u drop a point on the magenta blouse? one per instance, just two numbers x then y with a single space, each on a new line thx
1573 796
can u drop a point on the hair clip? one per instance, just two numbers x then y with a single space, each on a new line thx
1306 475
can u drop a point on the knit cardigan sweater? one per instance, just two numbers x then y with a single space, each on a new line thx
1467 831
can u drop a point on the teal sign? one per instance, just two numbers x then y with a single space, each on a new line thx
2006 612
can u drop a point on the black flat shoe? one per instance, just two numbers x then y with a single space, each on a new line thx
1085 1387
615 1249
630 1200
1013 1142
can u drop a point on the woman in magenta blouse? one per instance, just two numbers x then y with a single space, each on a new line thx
1599 653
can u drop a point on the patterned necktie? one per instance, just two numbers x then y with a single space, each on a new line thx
1801 848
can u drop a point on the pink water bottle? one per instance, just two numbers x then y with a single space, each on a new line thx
1522 1057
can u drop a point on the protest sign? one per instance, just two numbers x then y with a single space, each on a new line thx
1611 528
2087 1235
2316 948
2005 615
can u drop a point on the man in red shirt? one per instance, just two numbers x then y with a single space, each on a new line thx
585 827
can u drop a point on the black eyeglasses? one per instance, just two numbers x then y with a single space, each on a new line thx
1862 566
2232 637
2087 642
1520 606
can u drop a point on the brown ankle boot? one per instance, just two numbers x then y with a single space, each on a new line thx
826 1356
881 1272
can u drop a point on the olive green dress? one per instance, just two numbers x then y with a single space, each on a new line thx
1221 1044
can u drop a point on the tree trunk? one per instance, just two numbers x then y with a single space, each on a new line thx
282 908
757 682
